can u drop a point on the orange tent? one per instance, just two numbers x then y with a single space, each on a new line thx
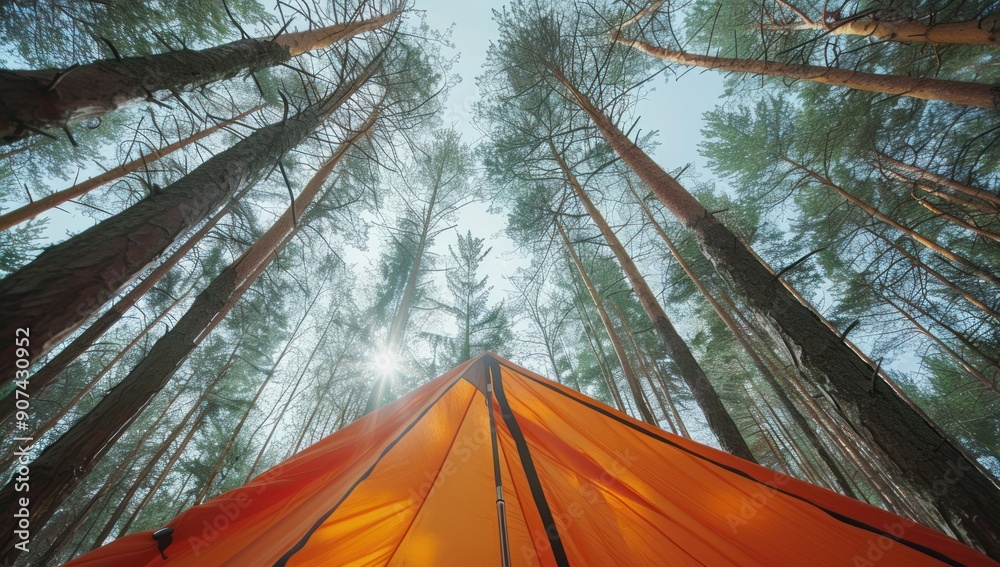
491 464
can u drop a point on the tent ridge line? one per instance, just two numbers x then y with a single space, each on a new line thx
283 560
527 465
940 556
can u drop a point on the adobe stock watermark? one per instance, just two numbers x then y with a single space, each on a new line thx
878 545
749 507
229 511
463 450
23 442
576 510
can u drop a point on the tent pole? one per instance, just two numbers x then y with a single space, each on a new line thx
501 505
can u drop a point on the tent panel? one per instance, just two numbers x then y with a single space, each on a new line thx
263 519
458 519
688 504
413 484
368 526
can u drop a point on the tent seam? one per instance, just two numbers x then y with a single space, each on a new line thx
451 447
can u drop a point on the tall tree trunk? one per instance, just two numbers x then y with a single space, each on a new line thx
123 503
920 453
645 369
851 444
59 468
36 101
956 92
665 390
918 263
111 483
916 236
47 374
985 31
719 420
734 327
221 457
35 208
590 331
68 282
54 419
633 382
768 439
397 329
914 172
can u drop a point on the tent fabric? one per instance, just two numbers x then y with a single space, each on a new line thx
415 484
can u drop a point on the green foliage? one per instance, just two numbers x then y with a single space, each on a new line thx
481 327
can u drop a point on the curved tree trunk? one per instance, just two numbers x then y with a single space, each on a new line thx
68 282
51 99
955 92
62 465
921 454
35 208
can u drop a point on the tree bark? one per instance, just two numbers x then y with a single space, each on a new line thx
61 466
47 374
220 460
68 282
967 32
955 92
51 99
921 454
634 386
913 171
35 208
719 420
738 332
